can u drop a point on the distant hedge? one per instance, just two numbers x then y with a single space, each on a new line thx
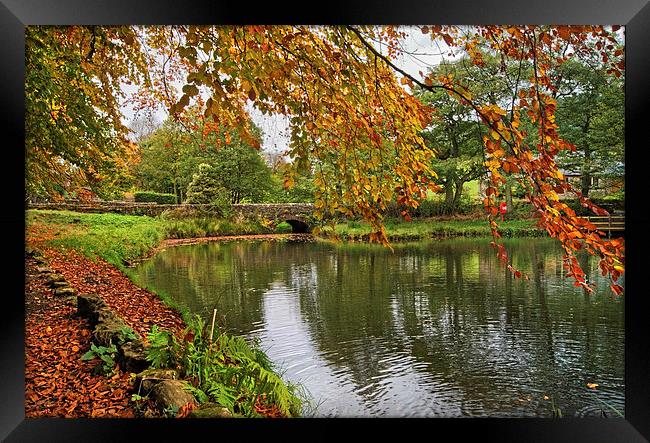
433 208
154 197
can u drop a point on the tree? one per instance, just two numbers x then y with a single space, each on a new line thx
591 115
454 134
74 136
242 171
352 119
142 126
204 187
161 164
173 153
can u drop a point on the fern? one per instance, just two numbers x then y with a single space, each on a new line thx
277 391
222 394
201 396
126 334
228 371
163 349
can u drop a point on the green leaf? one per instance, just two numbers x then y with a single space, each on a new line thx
88 355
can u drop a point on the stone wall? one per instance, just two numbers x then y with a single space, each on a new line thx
273 211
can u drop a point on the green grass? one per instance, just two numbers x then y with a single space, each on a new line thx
210 227
120 239
116 238
423 229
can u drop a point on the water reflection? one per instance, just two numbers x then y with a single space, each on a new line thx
432 329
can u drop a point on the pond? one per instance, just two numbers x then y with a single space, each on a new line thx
431 329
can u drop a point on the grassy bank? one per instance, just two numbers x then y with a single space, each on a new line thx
426 229
120 239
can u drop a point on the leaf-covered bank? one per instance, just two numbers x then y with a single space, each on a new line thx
80 247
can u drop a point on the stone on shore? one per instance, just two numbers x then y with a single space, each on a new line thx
133 356
171 394
108 329
64 292
211 410
89 306
147 379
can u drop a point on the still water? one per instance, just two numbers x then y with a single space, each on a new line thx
435 329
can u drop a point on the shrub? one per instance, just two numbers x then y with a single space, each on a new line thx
154 197
283 228
206 190
434 208
521 209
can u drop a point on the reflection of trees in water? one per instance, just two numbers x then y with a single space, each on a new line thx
473 329
449 307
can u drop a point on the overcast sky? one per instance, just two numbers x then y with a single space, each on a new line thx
422 53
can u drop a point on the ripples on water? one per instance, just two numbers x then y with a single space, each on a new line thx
437 329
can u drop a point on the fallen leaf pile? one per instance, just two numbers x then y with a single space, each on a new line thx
57 382
138 307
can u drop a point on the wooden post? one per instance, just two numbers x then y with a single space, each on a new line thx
609 225
214 314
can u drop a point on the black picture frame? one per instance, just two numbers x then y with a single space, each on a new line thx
634 14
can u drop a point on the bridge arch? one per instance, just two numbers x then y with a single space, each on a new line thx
298 226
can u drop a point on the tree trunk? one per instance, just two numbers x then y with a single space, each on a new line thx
449 193
586 165
586 173
458 194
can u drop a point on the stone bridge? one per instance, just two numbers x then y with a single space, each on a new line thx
298 215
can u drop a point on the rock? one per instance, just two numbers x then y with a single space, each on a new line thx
89 306
171 394
59 284
44 270
211 410
147 379
54 277
133 356
108 328
64 292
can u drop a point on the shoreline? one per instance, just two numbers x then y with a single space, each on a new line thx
54 351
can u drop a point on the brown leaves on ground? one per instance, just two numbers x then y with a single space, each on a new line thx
139 308
57 382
